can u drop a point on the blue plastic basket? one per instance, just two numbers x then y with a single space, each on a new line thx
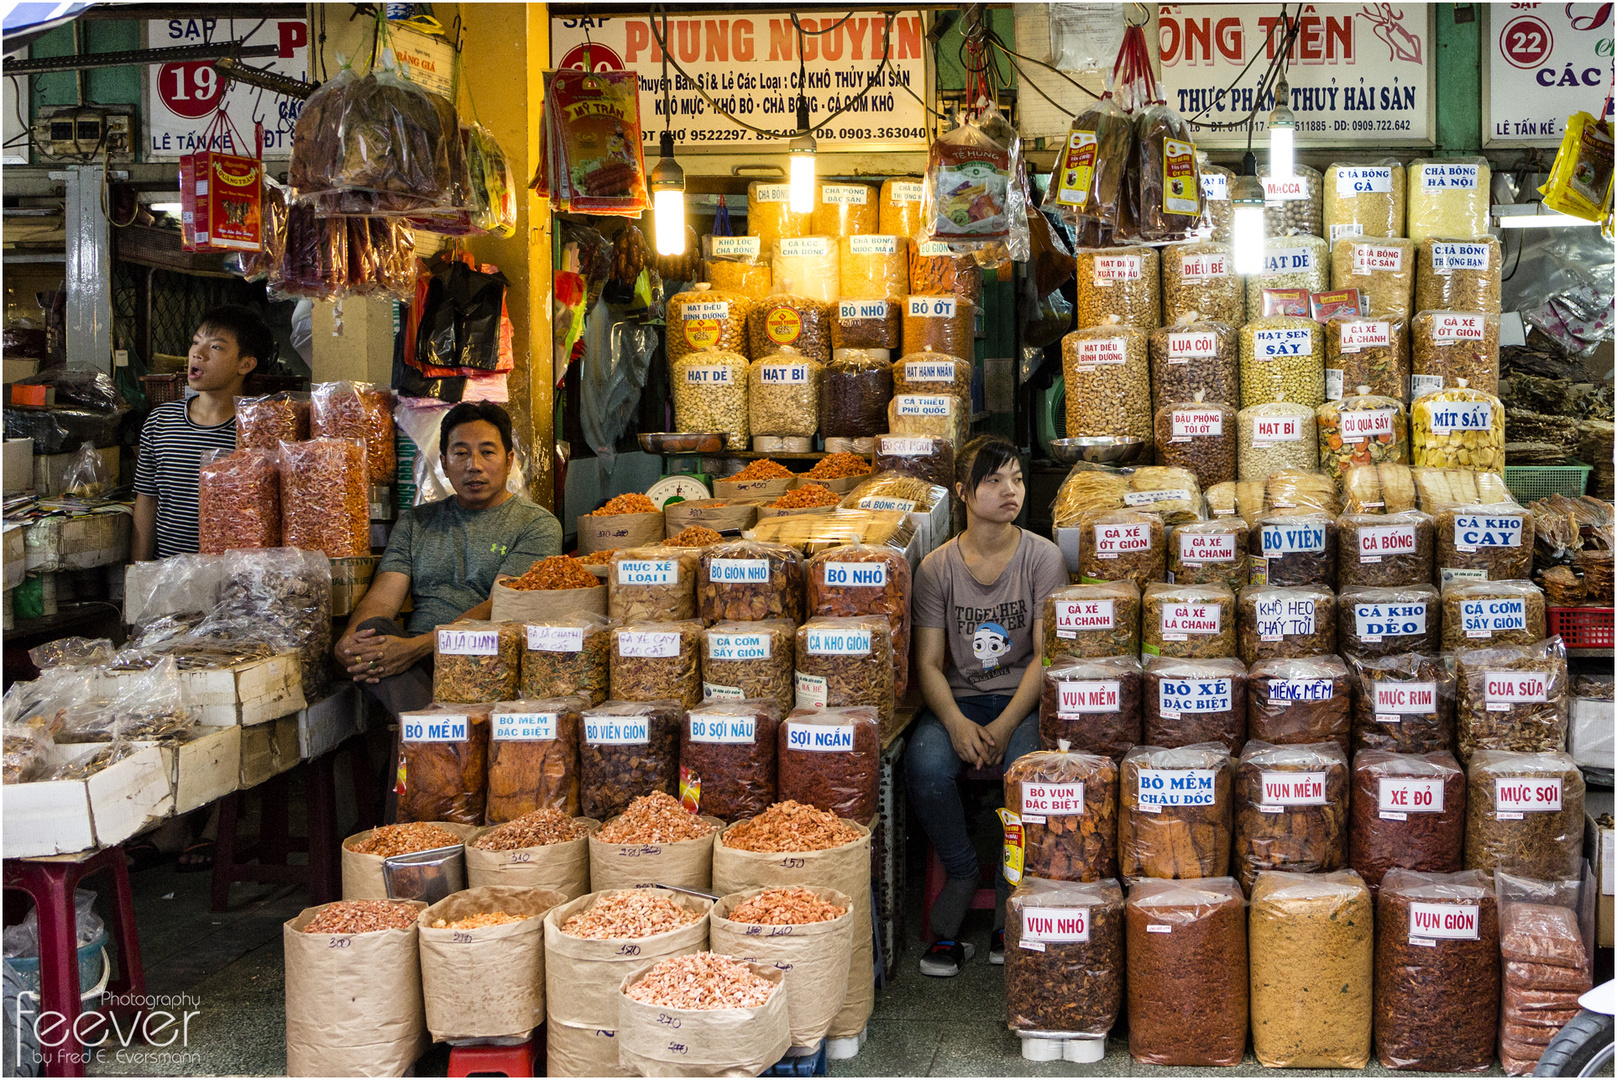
92 963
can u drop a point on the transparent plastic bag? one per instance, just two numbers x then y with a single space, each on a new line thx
1447 346
727 757
1448 197
1108 381
1459 275
783 394
628 749
855 388
974 198
263 423
1074 983
1209 553
1511 698
1457 427
1188 621
1289 262
1276 435
87 475
927 458
1367 199
1092 620
1121 282
734 266
1294 549
1200 280
710 394
476 661
325 505
867 325
1282 359
151 705
842 210
1361 429
1189 702
1403 703
1218 212
770 216
1291 809
1367 351
1380 268
936 271
807 265
282 597
943 416
1093 167
1294 207
929 372
1175 815
1278 621
830 758
1092 706
1524 814
1380 621
942 324
705 318
1126 545
1187 987
1193 356
566 655
657 661
1385 550
750 659
874 267
1197 435
443 763
238 500
1299 701
1079 791
864 579
1164 159
846 661
899 211
1408 812
532 757
652 584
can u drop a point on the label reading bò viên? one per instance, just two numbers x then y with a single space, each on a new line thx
1041 801
738 571
430 727
648 571
556 638
1363 180
1177 787
1372 622
722 646
523 726
651 644
1485 618
1075 697
723 728
870 575
821 738
1279 617
838 642
617 730
1280 344
1075 615
1177 696
1291 539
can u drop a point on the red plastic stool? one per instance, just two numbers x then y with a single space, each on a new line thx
525 1059
983 899
51 881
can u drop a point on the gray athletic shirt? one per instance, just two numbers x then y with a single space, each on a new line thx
989 628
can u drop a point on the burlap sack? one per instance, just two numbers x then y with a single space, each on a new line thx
654 1040
581 981
618 531
488 982
684 864
353 1002
571 1050
362 877
563 867
846 869
520 605
814 956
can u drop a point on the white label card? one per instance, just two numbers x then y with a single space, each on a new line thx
1041 801
1055 926
1410 794
738 646
418 728
1404 698
1075 697
821 738
722 728
468 643
524 727
1075 615
838 642
651 644
556 638
616 730
648 571
1177 787
1455 922
1292 789
1526 795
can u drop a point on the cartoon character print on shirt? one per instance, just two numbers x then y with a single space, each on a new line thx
989 643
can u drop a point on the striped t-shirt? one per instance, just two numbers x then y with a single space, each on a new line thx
171 449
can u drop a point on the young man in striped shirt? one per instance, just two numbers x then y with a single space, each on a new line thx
230 342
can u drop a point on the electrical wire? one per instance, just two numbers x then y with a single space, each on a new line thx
1265 84
999 42
1038 90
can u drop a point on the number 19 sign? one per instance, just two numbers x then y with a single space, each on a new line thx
182 98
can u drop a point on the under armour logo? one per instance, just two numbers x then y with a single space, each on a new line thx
497 549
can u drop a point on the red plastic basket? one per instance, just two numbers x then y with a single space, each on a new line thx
162 388
1582 627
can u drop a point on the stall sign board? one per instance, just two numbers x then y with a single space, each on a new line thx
1359 74
748 63
182 98
1544 62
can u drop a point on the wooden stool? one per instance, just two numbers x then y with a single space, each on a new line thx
525 1059
51 881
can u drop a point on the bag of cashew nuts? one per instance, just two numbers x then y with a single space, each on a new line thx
1108 379
629 749
1199 280
864 579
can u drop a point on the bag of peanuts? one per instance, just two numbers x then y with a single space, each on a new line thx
1200 436
865 579
1092 620
356 971
1194 701
628 749
483 977
364 852
655 841
798 931
532 757
727 757
543 849
443 763
1093 706
830 758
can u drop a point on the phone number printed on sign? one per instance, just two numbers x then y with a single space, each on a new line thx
182 99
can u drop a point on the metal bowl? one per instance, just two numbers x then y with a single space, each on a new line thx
1098 449
682 442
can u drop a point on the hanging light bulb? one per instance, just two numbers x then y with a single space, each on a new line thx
668 199
1282 135
1246 226
802 163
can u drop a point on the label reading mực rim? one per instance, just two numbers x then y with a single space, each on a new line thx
1377 542
1275 429
647 571
1102 351
556 639
930 307
1429 923
1287 260
1284 190
867 575
1363 180
1485 618
812 691
1473 531
1425 384
737 246
1177 696
742 646
1502 689
722 728
1041 801
1075 615
1360 334
1204 266
1114 540
1291 539
1436 176
651 644
1177 787
804 247
1280 344
932 405
710 376
1076 697
838 642
905 191
1206 547
1394 700
1279 617
844 195
523 726
772 193
919 371
1193 423
1371 258
1110 269
1179 621
783 374
821 738
1192 346
738 572
856 310
1362 425
468 643
1372 622
1216 186
1279 790
1448 327
1449 257
1462 416
873 245
1399 796
616 730
1054 925
430 727
1514 796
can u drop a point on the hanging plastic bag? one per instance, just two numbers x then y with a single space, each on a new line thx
1088 180
87 476
1580 180
971 199
592 143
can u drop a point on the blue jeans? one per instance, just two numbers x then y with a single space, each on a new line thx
930 769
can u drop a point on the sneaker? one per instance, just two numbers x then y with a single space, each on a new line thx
945 958
996 950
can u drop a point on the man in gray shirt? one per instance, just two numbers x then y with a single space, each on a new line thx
447 555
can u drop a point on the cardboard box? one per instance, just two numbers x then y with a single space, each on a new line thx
16 554
78 542
245 694
350 581
61 816
324 724
206 768
50 468
268 750
17 466
1601 844
1592 735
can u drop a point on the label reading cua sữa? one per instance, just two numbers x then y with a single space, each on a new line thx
1206 547
1395 700
1177 787
1055 926
1191 345
722 728
1430 923
922 371
1075 615
1196 423
735 247
617 730
1276 429
647 571
1278 790
1287 260
844 194
738 572
1362 425
1377 542
822 738
1181 620
1448 327
838 642
1289 190
523 726
1515 796
783 374
1370 258
927 405
1449 417
1447 257
1363 180
1204 265
1358 335
1093 352
1279 617
1121 539
1110 269
1216 186
1436 176
556 638
649 644
856 310
866 575
1503 689
468 643
744 646
812 691
931 307
1291 539
1399 796
1372 622
710 376
873 244
1041 801
1177 696
431 727
1485 618
1075 697
1475 531
1280 344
